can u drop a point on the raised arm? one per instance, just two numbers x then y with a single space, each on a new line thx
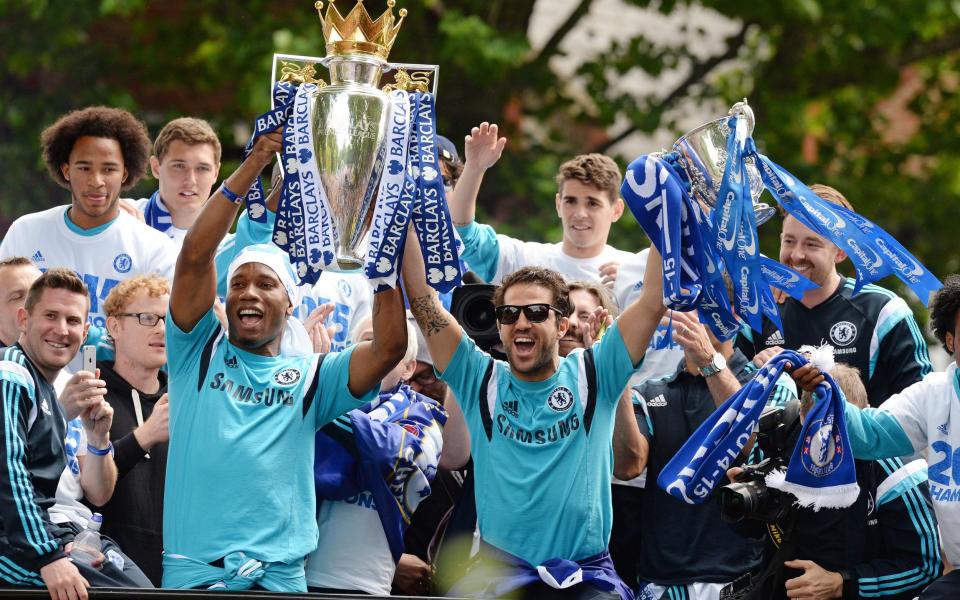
98 472
195 280
482 149
372 360
639 321
440 329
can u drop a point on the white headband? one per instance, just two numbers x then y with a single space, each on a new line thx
270 256
294 340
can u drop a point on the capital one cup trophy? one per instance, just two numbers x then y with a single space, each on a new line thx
702 156
350 114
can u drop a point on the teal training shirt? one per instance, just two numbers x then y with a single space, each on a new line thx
240 463
481 249
542 450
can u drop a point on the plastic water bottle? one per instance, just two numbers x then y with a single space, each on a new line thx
87 546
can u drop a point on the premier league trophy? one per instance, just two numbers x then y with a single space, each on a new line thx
342 174
702 156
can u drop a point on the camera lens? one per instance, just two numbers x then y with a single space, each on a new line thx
479 314
739 501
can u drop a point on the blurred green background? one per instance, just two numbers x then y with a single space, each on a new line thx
859 95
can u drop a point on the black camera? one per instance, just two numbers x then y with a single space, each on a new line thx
749 497
472 307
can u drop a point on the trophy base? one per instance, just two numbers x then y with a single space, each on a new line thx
346 264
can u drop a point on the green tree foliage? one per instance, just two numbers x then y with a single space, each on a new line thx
859 95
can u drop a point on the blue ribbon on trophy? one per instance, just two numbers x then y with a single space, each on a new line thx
784 278
736 233
431 216
692 268
874 252
391 216
283 92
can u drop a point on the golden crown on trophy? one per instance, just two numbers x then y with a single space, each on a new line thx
357 33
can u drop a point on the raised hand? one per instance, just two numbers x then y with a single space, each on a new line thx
482 148
83 390
156 429
321 336
692 336
608 273
597 322
97 419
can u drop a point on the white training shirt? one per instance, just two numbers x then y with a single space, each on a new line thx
103 257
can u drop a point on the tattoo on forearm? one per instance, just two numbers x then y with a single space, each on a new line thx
428 314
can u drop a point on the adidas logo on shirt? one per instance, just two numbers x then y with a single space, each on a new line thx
776 339
37 257
512 408
944 428
658 402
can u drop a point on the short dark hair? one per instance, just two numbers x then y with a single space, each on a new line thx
594 169
541 276
57 140
943 312
57 278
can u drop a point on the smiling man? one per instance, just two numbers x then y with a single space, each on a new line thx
587 203
240 508
34 541
94 153
540 426
874 330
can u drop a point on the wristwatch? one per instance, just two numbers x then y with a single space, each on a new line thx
717 363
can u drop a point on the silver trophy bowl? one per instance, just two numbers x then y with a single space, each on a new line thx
702 155
350 122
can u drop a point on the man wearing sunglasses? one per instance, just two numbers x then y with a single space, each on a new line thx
137 390
541 428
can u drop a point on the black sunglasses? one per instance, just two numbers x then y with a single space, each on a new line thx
508 314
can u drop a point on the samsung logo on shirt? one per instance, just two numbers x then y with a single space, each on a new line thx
247 395
558 431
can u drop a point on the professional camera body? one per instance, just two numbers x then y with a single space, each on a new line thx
472 307
749 497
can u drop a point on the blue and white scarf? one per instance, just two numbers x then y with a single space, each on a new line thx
156 215
821 474
391 447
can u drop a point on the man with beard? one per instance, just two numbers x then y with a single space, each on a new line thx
540 426
239 505
873 330
95 153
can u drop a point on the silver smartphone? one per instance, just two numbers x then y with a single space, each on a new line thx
90 359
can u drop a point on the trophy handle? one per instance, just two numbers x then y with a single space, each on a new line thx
742 109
